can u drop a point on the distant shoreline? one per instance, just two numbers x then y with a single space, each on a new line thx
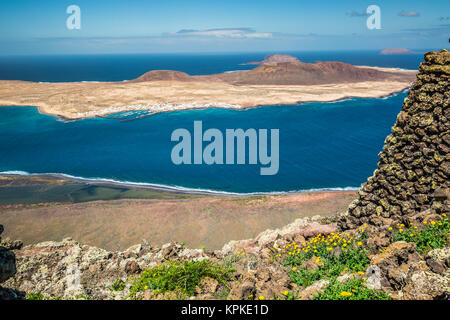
125 108
164 188
283 95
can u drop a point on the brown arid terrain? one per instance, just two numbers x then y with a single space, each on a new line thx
393 241
270 83
208 221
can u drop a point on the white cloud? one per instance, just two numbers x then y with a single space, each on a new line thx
355 13
409 14
224 33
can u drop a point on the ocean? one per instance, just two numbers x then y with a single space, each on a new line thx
322 145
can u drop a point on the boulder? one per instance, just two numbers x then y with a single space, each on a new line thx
7 261
393 264
309 292
7 264
426 285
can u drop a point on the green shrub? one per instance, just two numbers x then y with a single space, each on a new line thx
179 277
40 296
350 290
118 285
430 235
35 296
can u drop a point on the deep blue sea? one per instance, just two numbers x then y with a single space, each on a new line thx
322 145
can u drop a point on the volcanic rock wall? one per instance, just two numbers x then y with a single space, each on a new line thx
413 172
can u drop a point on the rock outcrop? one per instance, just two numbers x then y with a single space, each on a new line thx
400 269
413 173
7 261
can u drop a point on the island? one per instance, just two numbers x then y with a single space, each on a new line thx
388 51
278 80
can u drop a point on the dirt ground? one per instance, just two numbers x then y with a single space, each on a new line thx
210 221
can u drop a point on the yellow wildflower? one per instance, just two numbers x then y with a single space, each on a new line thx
261 297
346 294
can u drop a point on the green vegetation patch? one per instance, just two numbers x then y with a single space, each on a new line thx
353 289
179 277
35 296
331 255
118 285
327 258
428 236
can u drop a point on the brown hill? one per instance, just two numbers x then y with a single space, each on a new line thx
163 75
276 58
287 70
279 58
300 73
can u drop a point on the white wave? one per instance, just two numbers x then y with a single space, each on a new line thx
175 188
15 172
232 71
388 68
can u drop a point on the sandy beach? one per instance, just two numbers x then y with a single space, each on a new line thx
77 100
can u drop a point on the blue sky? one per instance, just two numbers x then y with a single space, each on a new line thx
153 26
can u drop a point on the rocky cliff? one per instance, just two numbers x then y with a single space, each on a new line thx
413 173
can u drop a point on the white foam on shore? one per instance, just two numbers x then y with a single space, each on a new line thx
387 68
232 71
169 188
168 107
159 107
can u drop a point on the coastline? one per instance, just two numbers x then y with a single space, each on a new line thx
81 100
103 182
281 95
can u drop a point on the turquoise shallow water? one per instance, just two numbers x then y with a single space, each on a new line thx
322 145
